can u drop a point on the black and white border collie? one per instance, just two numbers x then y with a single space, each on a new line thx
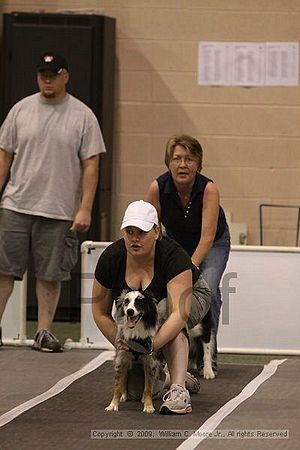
137 319
202 336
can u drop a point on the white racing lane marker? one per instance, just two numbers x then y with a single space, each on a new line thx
210 425
60 386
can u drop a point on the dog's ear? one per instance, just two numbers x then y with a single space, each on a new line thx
151 297
119 301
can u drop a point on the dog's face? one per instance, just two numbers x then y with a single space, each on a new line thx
133 307
137 312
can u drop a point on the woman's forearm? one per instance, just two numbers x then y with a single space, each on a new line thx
202 250
106 325
169 330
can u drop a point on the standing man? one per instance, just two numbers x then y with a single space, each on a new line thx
49 155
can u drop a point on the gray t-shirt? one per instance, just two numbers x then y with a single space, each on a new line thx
48 139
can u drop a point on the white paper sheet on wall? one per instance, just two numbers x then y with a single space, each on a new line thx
282 64
248 64
214 64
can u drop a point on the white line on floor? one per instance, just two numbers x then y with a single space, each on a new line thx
57 388
211 423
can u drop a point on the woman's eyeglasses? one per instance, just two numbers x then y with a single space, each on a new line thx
188 160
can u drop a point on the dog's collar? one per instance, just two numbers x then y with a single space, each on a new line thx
141 346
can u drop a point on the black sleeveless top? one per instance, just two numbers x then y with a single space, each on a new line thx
184 224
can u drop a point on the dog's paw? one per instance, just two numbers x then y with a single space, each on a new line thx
123 397
149 409
112 407
208 373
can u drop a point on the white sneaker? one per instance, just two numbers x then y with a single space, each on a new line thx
176 401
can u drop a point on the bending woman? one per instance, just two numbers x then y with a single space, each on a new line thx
188 207
143 260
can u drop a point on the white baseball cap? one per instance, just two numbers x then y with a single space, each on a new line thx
140 214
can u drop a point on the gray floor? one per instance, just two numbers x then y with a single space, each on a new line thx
26 373
274 406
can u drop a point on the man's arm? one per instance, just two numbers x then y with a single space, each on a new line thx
90 173
6 160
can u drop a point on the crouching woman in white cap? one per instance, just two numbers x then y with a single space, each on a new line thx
143 260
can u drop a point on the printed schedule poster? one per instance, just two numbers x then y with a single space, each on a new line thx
282 64
248 64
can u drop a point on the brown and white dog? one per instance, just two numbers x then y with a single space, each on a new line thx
137 322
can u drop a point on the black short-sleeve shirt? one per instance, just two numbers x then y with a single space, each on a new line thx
170 260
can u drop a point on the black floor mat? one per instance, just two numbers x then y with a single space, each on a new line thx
66 420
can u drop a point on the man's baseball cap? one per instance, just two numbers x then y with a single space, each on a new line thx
140 214
52 62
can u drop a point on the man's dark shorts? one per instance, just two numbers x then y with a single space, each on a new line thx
53 247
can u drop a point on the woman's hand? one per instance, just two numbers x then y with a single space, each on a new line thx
121 344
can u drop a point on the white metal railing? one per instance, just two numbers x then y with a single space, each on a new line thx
261 304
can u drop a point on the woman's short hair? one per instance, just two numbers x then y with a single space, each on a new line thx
189 143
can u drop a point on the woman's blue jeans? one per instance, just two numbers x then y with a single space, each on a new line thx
212 269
